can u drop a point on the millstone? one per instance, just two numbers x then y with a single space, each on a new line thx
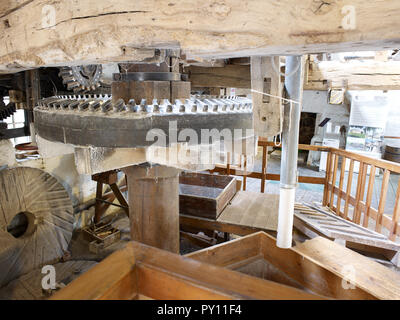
36 221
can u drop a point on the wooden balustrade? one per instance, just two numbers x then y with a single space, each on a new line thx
229 169
338 192
358 207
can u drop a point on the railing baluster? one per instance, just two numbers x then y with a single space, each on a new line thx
369 195
327 177
264 168
348 189
382 200
396 215
339 197
362 193
335 167
228 163
245 172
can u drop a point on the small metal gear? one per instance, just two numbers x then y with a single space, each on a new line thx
6 110
82 78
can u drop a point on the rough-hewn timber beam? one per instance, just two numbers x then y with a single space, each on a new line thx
366 75
46 32
230 76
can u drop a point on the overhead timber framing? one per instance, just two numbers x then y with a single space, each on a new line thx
47 33
356 75
228 76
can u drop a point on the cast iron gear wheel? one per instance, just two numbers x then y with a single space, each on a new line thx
82 78
6 110
98 121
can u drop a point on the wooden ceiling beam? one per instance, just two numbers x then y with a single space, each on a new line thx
47 33
366 75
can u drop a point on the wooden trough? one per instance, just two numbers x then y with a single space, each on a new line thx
318 266
142 272
251 267
205 195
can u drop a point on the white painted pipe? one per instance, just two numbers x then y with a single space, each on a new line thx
285 218
290 140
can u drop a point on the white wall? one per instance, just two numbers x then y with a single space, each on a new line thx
317 102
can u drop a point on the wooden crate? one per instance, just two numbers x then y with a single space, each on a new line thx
319 266
139 271
205 195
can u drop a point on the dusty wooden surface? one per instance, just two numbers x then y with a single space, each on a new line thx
335 227
252 209
50 229
94 31
369 275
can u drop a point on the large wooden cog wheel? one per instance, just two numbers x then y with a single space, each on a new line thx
36 221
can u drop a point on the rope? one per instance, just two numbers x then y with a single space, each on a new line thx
271 95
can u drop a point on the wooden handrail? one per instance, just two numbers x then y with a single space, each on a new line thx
383 164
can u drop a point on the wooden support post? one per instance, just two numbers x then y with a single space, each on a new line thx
264 167
245 172
228 163
154 205
267 110
98 205
102 203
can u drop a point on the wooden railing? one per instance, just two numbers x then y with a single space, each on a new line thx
360 203
356 208
263 175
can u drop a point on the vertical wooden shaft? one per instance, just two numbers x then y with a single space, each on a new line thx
154 206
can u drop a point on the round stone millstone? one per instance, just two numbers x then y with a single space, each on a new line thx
36 221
